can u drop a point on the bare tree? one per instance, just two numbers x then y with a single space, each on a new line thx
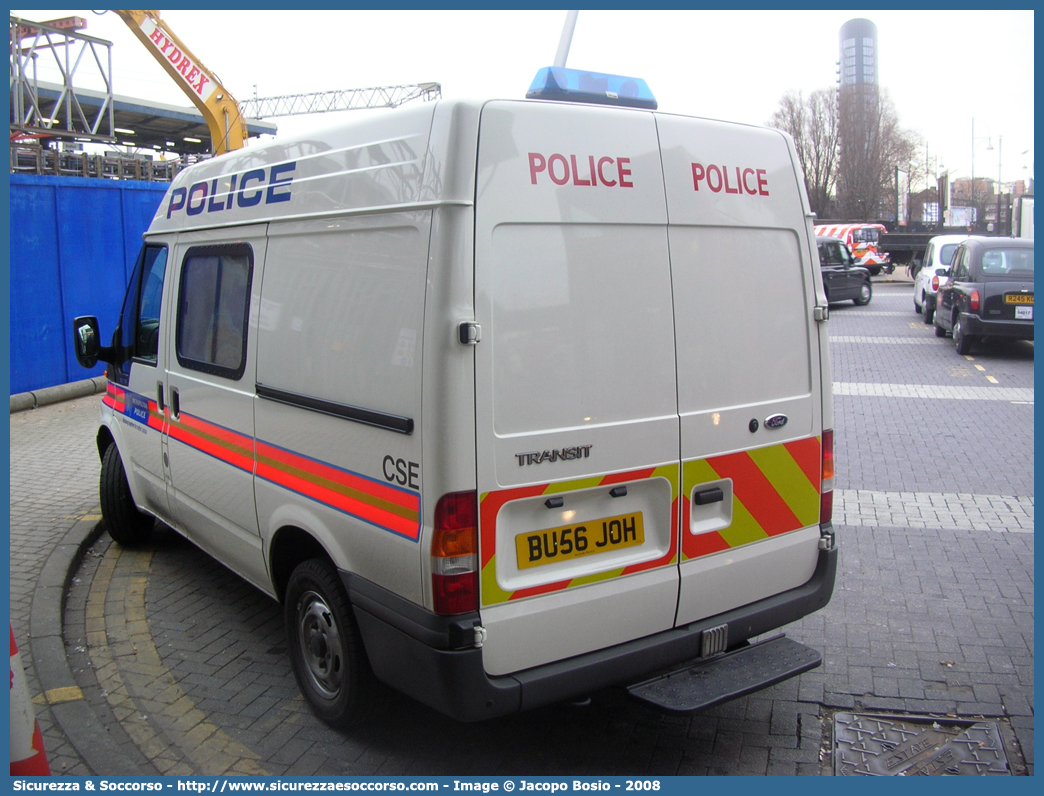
982 197
813 124
872 146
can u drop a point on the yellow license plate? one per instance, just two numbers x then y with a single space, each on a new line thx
537 548
1018 298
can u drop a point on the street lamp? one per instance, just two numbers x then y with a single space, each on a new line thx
1000 151
998 228
989 148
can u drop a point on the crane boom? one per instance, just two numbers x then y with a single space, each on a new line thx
346 100
220 110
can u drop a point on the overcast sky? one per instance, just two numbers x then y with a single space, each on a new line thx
942 68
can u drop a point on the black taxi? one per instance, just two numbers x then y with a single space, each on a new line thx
842 278
989 293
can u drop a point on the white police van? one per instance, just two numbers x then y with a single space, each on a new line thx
505 401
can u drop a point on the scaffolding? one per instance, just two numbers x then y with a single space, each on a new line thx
34 116
346 100
110 166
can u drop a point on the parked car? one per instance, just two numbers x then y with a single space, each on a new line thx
842 278
989 292
937 258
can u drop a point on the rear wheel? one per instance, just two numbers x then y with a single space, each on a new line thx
124 522
929 313
865 294
325 646
939 331
961 341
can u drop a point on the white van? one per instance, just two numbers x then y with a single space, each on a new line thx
504 401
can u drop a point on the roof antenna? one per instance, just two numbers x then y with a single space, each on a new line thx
567 38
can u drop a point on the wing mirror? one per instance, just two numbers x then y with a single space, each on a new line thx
87 342
942 271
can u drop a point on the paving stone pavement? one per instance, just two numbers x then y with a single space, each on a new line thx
54 484
183 665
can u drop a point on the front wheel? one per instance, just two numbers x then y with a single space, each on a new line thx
939 331
124 522
929 313
961 341
865 294
326 649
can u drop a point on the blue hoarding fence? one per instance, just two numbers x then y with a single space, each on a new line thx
73 246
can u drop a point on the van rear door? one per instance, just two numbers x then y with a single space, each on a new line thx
749 379
576 396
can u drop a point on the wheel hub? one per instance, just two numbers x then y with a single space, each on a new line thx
317 646
320 643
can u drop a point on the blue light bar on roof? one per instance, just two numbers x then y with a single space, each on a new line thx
576 85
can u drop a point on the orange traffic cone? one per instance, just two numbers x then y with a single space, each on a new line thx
28 758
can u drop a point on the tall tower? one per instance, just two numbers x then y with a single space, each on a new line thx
859 119
858 54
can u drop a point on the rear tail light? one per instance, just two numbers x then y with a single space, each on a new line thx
935 283
454 554
974 300
826 492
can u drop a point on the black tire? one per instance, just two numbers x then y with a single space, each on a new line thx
939 331
961 341
326 650
865 294
124 522
929 313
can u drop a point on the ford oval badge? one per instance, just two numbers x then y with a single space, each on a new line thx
776 421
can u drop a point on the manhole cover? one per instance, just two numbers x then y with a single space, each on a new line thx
877 745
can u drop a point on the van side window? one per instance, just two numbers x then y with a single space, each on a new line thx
140 316
213 309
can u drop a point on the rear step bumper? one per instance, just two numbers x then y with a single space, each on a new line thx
976 326
727 676
419 654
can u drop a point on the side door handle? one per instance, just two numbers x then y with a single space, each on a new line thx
175 402
159 396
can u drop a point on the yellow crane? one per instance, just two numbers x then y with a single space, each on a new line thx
228 130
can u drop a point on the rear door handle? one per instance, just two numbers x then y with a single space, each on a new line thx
159 396
705 496
175 402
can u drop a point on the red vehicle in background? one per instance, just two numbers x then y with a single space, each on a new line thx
864 241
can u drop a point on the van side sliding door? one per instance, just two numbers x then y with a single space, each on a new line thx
209 393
